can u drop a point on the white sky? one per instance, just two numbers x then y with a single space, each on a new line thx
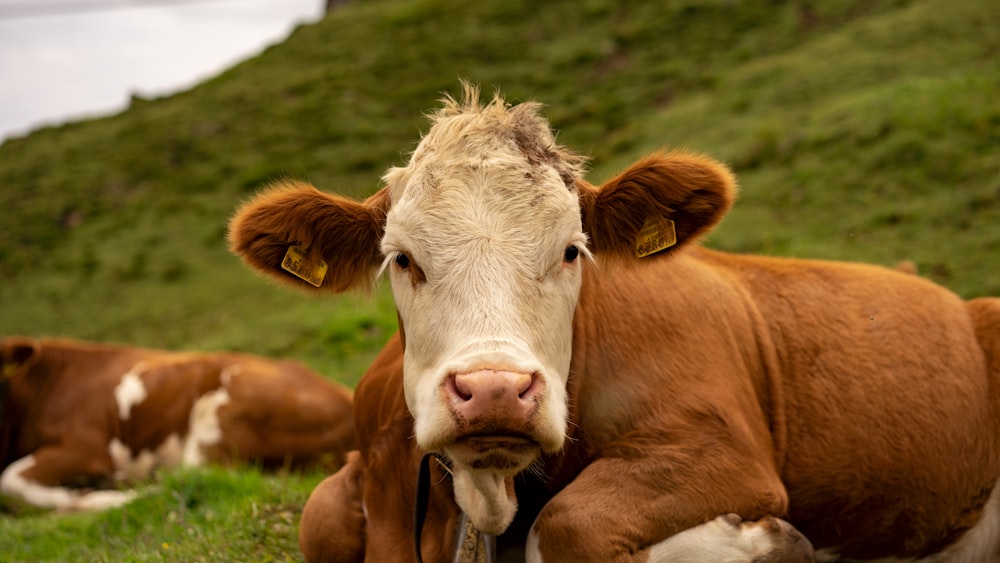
65 59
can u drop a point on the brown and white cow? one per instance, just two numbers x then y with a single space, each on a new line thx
80 419
570 350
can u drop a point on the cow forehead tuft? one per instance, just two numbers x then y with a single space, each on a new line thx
473 134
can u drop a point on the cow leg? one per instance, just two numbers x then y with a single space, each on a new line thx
642 510
730 538
42 479
332 528
725 539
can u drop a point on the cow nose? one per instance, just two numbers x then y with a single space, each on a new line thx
494 394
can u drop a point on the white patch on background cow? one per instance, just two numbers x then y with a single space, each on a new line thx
203 428
131 468
13 483
128 468
171 452
103 500
130 391
227 374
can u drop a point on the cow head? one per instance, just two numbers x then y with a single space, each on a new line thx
484 235
16 357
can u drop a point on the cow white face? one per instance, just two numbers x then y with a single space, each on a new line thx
482 237
485 257
483 244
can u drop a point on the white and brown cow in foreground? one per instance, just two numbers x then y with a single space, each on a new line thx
80 418
631 406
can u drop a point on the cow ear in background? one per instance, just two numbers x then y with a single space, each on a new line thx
303 237
659 203
16 354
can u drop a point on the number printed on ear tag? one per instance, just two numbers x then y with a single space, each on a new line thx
656 234
296 263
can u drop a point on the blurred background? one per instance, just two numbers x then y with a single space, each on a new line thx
860 130
864 130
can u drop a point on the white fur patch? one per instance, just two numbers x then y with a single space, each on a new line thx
718 540
130 391
13 483
103 500
129 468
532 554
204 429
482 495
171 452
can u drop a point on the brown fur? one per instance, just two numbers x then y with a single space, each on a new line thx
293 214
60 407
334 532
694 191
384 476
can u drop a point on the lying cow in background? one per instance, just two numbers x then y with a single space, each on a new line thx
79 418
577 361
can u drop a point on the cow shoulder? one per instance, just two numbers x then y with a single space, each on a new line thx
303 237
679 195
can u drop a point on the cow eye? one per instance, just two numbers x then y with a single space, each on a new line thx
403 261
571 254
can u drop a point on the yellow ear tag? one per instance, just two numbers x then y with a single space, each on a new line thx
295 263
656 234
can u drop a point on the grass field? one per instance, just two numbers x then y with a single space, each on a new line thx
211 514
860 130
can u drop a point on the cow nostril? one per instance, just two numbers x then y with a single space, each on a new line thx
530 387
458 389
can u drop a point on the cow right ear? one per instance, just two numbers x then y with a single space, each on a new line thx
309 239
17 353
657 205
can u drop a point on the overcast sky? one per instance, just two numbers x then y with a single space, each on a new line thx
65 59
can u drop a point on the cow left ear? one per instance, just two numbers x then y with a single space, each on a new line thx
658 204
309 239
15 354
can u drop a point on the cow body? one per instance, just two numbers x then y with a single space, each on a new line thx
82 416
708 401
874 460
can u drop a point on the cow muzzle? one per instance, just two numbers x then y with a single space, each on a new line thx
495 413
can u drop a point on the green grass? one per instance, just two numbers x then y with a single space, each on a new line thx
209 514
860 130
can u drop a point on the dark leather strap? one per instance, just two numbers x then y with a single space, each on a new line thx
420 506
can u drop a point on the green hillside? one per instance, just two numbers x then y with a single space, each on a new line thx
860 129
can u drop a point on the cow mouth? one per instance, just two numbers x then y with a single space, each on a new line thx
499 452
